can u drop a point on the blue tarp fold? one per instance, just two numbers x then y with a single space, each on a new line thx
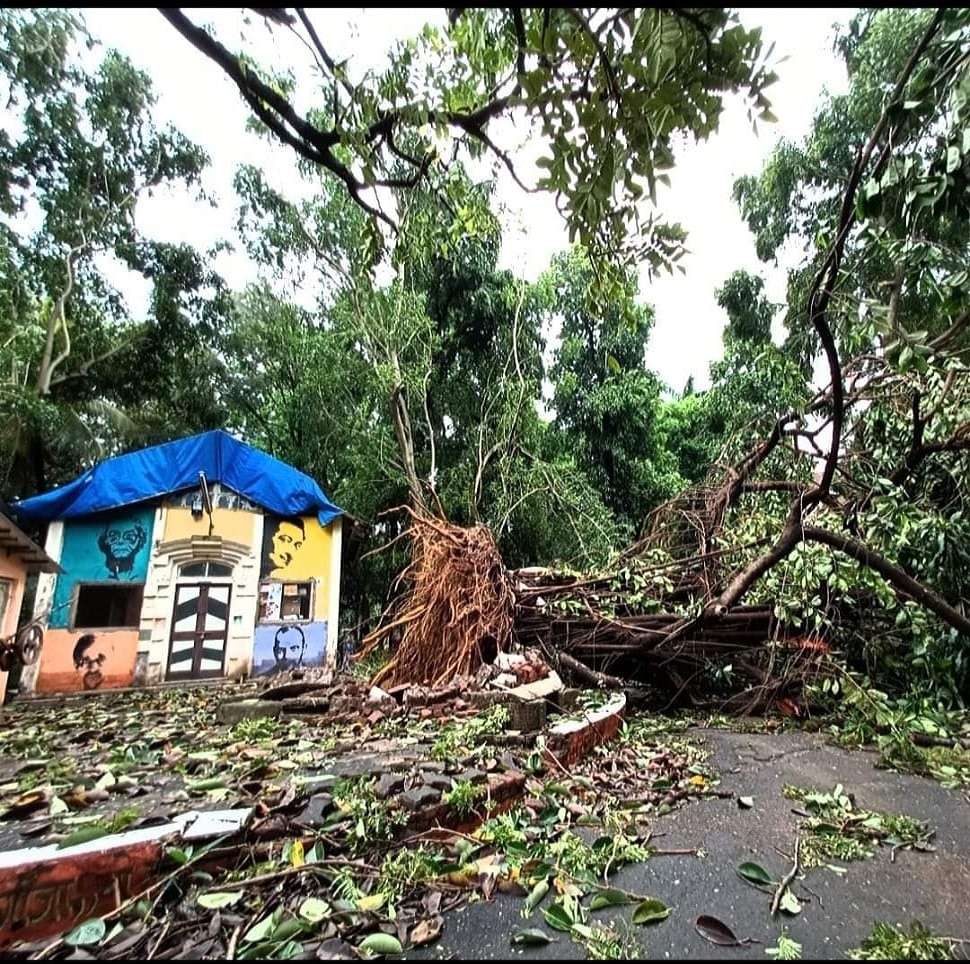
174 466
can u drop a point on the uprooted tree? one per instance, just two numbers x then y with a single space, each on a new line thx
843 525
837 525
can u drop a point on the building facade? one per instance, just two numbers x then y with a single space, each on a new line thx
202 558
20 557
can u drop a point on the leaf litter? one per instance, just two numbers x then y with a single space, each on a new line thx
356 884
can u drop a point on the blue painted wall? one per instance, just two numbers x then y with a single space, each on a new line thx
108 547
288 645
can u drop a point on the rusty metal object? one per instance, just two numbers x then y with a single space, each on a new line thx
23 647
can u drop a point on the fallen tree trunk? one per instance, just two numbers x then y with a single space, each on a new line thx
601 681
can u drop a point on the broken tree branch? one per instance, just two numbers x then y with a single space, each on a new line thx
601 681
896 577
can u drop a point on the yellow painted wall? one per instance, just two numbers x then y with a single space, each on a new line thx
12 568
234 525
108 663
294 555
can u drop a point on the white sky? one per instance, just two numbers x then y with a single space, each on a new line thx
194 95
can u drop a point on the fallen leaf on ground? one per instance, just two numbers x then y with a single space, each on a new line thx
754 874
717 932
650 911
427 930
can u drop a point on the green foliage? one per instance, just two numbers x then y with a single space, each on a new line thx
122 820
505 830
463 797
608 943
400 872
255 729
423 388
749 312
371 819
866 714
606 403
913 227
79 372
59 771
896 943
660 75
901 286
785 949
839 829
461 739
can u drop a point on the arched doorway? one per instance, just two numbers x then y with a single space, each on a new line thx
200 620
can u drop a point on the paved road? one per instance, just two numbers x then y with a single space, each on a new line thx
932 887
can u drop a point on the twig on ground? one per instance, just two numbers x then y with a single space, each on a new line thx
234 938
787 879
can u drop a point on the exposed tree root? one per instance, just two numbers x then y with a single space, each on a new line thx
455 612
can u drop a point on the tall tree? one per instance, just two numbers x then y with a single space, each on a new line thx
904 259
80 149
423 388
605 400
882 301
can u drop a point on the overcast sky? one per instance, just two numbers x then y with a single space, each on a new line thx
194 95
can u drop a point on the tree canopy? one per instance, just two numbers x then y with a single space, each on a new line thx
80 148
610 91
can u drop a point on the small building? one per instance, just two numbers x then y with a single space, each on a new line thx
20 557
198 559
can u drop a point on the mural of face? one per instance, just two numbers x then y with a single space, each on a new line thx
91 664
289 645
120 542
287 542
295 645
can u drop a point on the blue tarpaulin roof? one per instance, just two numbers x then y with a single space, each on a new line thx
174 466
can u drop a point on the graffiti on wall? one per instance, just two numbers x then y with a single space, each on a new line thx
73 660
295 548
287 646
102 548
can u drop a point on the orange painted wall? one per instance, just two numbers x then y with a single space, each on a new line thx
108 663
11 568
235 525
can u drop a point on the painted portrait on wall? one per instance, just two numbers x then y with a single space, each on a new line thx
120 542
286 646
85 659
107 548
89 658
295 548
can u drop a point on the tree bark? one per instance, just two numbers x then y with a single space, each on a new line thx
601 681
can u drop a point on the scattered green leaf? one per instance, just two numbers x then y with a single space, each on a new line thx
532 935
650 911
215 899
89 932
380 943
754 874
